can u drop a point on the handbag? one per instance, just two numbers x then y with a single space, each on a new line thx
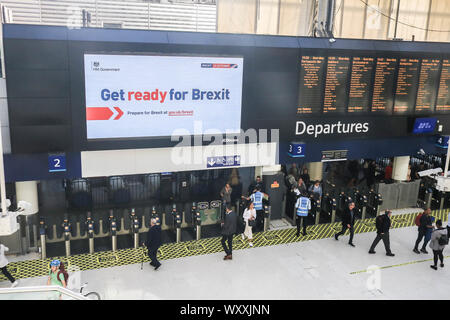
251 223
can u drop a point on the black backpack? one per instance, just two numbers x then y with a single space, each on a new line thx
443 240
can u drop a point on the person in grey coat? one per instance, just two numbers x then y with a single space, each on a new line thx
436 245
228 230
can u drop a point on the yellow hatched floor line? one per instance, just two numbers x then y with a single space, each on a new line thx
106 259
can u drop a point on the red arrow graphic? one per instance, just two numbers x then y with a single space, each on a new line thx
102 113
120 113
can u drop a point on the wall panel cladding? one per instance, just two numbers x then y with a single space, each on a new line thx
38 87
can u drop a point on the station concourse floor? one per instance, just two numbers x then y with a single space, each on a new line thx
316 269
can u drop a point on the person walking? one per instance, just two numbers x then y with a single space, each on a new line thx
383 224
56 277
257 199
153 242
425 223
303 205
439 239
228 230
316 190
348 222
448 225
225 194
250 220
3 263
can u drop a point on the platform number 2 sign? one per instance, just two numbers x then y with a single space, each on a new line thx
56 162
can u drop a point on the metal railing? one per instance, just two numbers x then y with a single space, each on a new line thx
21 293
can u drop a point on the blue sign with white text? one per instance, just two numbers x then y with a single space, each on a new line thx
225 161
296 150
57 162
424 125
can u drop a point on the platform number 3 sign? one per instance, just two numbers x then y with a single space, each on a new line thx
57 162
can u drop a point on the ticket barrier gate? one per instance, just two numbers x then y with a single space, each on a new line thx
43 233
361 204
196 221
374 202
315 210
328 209
135 228
113 230
66 226
90 231
267 210
177 220
342 203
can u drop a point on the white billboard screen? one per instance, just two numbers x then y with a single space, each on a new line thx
130 96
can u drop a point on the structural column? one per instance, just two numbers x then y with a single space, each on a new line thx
28 191
315 170
400 168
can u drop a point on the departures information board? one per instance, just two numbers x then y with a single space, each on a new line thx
428 85
377 85
443 99
335 98
407 80
360 84
311 84
383 92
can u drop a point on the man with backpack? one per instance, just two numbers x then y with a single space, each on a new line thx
423 221
383 224
439 239
57 276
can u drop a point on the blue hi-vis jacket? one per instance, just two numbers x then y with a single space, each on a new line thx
257 199
303 205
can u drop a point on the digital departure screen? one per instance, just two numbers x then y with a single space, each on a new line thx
443 99
360 84
383 92
424 125
311 84
335 98
407 81
428 85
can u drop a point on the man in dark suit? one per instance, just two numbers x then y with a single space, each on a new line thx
228 230
348 221
383 224
153 242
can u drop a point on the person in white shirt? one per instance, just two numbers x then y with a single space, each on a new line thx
4 263
249 215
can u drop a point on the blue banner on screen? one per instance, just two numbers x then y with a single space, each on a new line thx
130 96
226 161
424 125
57 162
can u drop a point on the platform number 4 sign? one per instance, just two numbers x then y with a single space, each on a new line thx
57 162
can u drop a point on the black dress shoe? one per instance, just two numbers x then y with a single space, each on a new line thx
372 252
390 254
351 244
157 267
336 236
423 250
442 265
416 251
433 267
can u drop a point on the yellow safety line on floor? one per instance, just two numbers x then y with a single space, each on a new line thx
397 265
106 259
